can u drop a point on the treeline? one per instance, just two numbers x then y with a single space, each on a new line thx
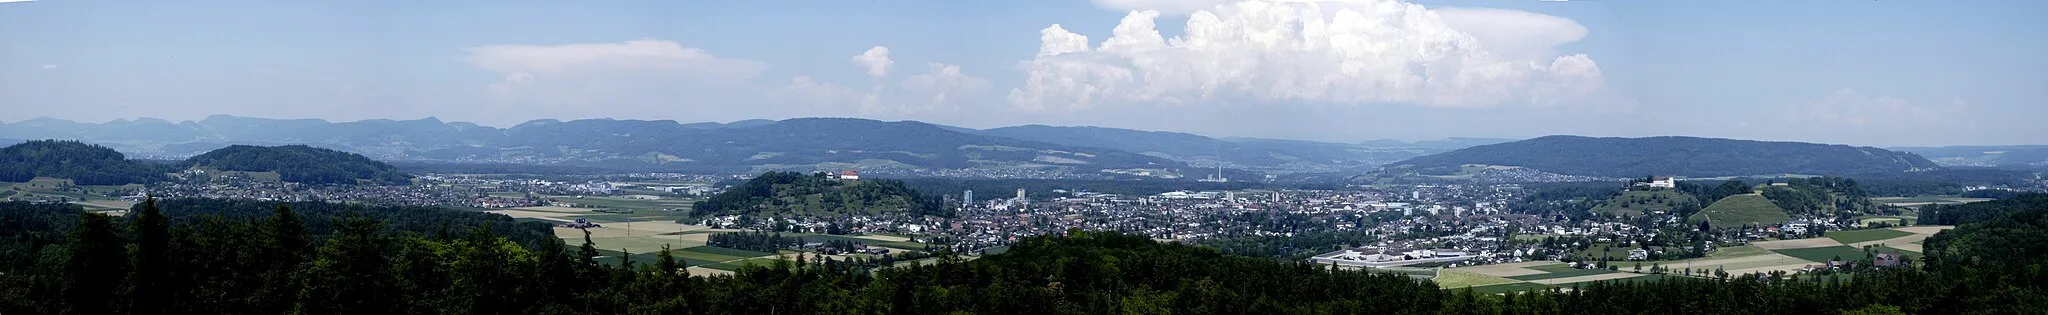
1948 181
146 265
302 164
1819 195
754 241
83 164
818 195
1289 248
1936 214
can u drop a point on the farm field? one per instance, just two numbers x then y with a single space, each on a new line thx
1511 287
1735 260
1452 279
1888 219
1796 244
1824 254
1859 236
1923 200
1558 272
1738 210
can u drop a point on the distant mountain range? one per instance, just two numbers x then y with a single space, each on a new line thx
1682 156
803 144
2010 156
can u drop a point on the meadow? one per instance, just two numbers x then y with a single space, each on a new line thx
1737 210
1859 236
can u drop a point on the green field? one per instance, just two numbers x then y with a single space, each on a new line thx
1924 199
1859 236
1451 279
1511 287
1635 203
1559 271
1737 210
1823 254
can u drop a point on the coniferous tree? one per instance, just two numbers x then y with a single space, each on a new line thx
149 283
94 265
351 274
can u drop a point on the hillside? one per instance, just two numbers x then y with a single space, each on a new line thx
1739 210
1819 195
301 164
1638 202
84 164
791 194
2011 156
1681 156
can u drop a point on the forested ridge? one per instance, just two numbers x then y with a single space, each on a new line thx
301 164
83 164
797 194
1682 156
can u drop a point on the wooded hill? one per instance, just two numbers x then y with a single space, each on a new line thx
791 194
301 164
88 164
83 164
1681 156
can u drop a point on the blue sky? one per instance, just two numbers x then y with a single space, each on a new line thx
1836 71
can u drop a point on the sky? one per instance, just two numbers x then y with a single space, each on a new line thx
1886 73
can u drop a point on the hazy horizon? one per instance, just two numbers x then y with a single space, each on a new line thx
1866 73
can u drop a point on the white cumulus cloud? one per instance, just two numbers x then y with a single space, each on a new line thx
1167 6
941 89
876 60
1342 52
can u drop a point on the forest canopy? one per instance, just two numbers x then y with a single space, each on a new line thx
301 164
83 164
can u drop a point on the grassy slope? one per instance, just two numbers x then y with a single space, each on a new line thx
1737 210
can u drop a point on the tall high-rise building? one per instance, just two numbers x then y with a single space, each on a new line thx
1020 194
967 198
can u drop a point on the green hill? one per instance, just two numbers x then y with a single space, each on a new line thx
1738 210
1635 203
301 164
1681 156
83 164
784 194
